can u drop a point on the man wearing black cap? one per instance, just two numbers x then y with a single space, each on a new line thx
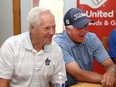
79 47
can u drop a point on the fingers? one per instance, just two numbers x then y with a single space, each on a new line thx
108 81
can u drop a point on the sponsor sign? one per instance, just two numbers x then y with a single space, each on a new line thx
102 12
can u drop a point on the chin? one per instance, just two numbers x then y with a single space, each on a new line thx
82 40
79 42
48 42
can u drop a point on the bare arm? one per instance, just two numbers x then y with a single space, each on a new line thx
82 75
4 83
51 85
108 64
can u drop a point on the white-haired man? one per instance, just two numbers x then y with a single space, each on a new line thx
32 59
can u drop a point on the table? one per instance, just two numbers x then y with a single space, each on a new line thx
87 85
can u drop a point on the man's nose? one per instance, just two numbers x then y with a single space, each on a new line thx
52 31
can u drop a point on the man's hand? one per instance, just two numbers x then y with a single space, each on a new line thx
108 79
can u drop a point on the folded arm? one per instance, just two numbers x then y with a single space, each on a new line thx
82 75
107 79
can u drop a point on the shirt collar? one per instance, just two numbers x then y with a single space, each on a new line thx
28 43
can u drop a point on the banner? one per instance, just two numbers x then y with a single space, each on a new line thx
103 13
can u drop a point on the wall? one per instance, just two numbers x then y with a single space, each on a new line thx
6 16
69 4
25 8
6 20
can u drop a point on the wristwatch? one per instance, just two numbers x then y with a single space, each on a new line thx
114 70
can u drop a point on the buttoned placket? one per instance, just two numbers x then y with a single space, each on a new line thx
38 64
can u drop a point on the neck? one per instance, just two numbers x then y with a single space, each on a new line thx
36 45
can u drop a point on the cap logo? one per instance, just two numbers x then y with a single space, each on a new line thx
79 15
67 21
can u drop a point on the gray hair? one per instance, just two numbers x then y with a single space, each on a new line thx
34 14
70 26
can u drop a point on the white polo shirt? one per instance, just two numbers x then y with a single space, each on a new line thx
28 68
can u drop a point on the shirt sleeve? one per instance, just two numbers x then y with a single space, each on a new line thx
6 61
67 55
99 51
66 50
112 44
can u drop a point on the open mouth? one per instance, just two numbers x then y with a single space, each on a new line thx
82 36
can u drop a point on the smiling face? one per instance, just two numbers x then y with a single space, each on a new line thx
77 35
43 33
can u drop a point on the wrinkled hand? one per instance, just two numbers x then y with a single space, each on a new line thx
108 79
93 3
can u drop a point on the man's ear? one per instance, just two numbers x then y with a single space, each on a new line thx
68 30
32 28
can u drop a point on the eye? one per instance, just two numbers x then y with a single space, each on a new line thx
46 28
54 27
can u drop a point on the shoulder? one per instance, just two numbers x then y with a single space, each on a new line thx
112 38
15 40
92 40
53 47
113 33
60 37
63 40
90 37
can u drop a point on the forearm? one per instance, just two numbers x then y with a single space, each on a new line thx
4 83
87 76
115 82
109 64
109 76
82 75
51 85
